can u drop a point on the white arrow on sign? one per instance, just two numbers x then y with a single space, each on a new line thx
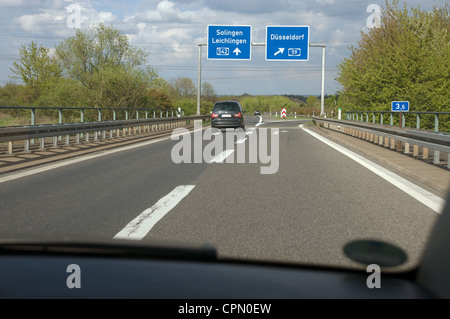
237 51
280 50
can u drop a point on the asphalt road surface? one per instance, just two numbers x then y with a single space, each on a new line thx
314 202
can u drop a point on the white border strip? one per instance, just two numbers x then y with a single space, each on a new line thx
139 227
425 197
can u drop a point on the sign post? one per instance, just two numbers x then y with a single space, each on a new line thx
400 106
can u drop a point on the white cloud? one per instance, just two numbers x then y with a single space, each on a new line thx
11 3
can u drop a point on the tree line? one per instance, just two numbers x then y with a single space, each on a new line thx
407 58
97 68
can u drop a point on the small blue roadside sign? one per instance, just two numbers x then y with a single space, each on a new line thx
400 106
287 43
229 42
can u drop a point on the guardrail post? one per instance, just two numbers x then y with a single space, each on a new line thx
417 121
373 117
60 119
403 118
381 118
114 114
424 152
33 120
26 145
82 115
160 113
99 115
77 138
407 148
10 147
391 117
42 143
436 122
436 157
154 113
126 114
415 150
367 117
55 141
67 139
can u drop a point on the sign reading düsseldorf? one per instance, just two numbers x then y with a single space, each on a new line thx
229 42
287 43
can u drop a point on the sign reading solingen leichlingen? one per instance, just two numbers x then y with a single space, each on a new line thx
229 42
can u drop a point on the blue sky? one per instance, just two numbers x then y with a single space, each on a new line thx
171 30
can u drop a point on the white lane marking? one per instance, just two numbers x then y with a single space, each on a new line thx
425 197
48 167
260 121
249 132
242 140
222 156
139 227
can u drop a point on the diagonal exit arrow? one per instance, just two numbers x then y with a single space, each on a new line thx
280 50
237 51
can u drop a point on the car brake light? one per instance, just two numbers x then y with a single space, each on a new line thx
214 115
238 114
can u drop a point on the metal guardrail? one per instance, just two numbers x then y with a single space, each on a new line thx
30 132
363 116
400 139
146 111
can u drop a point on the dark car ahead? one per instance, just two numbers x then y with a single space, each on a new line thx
227 114
256 113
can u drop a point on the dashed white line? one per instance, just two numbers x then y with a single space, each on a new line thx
222 156
425 197
139 227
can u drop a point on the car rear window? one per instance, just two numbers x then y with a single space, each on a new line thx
226 106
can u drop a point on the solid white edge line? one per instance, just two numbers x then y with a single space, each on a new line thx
425 197
139 227
221 156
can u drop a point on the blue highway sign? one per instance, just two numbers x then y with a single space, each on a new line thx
400 106
229 42
287 43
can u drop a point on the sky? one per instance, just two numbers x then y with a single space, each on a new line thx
171 30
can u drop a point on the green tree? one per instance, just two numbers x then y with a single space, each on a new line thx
407 58
109 69
208 92
36 68
184 87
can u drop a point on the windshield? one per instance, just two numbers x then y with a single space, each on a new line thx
107 129
226 106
